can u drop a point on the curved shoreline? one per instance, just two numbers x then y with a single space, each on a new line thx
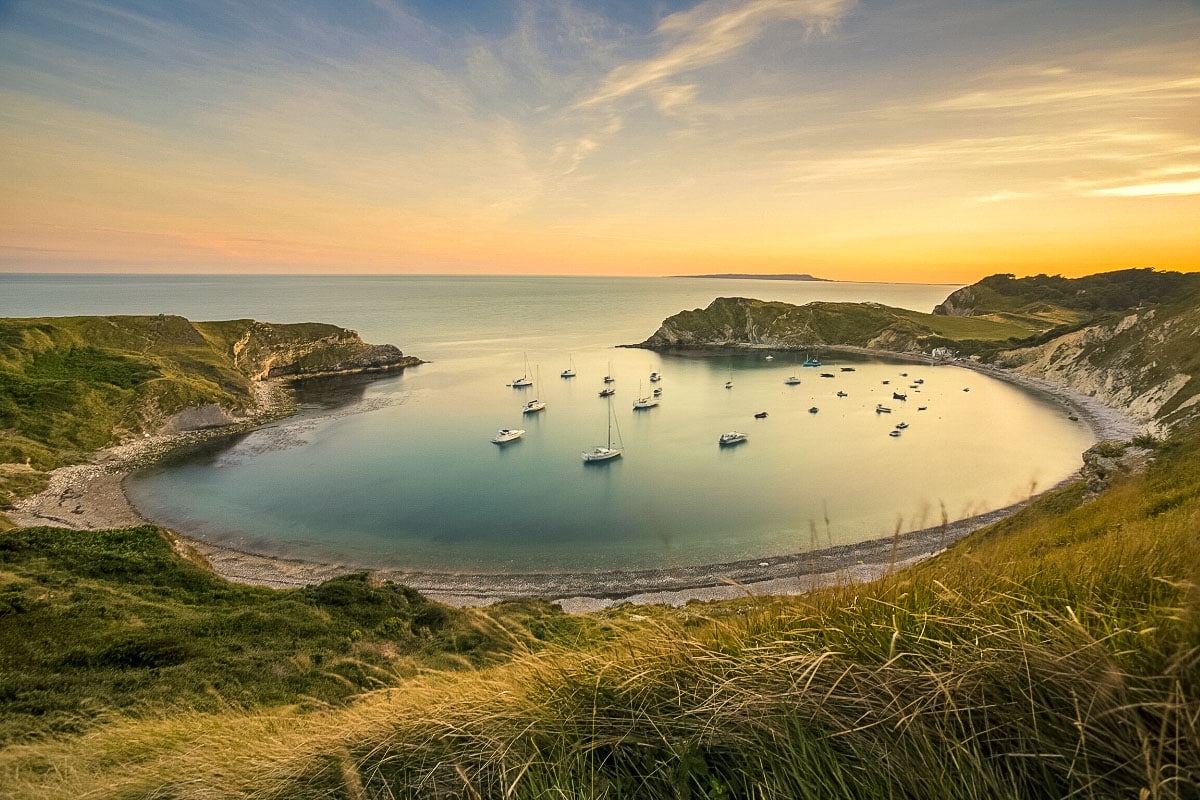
91 497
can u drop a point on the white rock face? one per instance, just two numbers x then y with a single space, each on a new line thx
1126 364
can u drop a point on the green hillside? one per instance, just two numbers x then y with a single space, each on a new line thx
99 624
740 321
71 385
1046 302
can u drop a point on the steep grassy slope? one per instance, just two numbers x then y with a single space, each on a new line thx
95 624
1055 655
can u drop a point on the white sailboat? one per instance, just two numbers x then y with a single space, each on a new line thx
569 372
534 405
524 380
607 451
645 402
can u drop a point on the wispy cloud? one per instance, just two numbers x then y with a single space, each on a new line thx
1169 188
709 33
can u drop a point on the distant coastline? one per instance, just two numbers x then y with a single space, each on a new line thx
752 276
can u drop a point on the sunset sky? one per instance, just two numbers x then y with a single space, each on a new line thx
911 140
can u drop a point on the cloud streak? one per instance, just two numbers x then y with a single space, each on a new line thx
708 34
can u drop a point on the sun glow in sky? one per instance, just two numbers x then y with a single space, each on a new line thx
915 140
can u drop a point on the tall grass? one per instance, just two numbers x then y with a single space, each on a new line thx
1055 655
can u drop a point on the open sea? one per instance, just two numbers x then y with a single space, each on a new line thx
399 471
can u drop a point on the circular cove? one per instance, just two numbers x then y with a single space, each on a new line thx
401 473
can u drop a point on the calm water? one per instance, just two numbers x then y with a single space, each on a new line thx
400 471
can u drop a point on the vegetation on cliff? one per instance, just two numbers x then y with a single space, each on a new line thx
735 321
103 623
71 385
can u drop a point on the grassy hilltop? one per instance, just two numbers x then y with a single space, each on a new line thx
1054 654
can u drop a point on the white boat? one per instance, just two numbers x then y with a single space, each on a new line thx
792 380
524 380
507 435
655 377
604 452
534 405
657 391
607 391
644 402
569 372
732 437
893 433
901 426
768 358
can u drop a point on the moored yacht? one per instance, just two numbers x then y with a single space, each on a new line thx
732 437
507 435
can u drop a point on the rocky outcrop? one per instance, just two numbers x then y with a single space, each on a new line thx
267 350
745 322
960 303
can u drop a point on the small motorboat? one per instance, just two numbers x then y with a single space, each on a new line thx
507 435
609 379
901 426
732 437
967 389
607 391
813 410
847 369
769 358
657 391
903 374
728 384
842 394
919 380
922 408
655 377
899 396
885 383
761 415
826 374
894 433
880 408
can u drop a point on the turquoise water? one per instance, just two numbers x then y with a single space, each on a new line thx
400 472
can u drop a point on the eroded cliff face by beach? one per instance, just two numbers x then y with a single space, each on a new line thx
1145 363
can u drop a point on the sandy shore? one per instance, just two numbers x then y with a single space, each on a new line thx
91 497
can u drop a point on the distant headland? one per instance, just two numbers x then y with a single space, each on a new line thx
752 276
